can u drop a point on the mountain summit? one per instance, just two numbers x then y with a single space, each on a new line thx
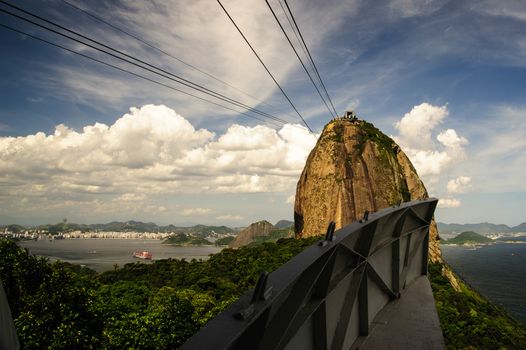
249 234
354 167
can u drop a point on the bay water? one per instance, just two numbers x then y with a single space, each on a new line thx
497 271
103 254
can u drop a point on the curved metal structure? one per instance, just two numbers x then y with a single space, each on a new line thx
8 337
327 296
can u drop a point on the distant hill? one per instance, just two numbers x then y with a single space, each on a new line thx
182 239
247 235
283 224
224 241
469 237
274 235
128 226
136 226
204 230
483 228
259 232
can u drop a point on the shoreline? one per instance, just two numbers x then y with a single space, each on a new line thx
478 245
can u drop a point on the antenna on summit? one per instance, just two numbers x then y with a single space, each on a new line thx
349 115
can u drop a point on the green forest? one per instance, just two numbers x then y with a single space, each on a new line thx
140 306
470 321
468 237
160 305
182 239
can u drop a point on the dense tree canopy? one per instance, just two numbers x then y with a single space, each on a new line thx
142 306
160 305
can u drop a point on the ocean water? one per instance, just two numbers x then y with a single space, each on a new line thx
496 271
103 254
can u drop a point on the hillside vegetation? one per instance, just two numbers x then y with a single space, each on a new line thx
469 237
183 240
139 306
483 227
469 321
160 305
273 236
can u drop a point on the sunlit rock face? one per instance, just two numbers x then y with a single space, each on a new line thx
247 236
354 168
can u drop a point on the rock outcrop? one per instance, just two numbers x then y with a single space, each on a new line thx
247 235
354 167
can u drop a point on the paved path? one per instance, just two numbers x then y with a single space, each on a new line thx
410 322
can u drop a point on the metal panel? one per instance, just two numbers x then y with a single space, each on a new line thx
327 296
8 337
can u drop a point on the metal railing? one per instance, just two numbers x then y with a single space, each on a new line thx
327 296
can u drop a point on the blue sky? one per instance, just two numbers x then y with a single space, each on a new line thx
79 140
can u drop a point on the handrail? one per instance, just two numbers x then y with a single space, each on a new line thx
327 296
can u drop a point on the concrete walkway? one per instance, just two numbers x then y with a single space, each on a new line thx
410 322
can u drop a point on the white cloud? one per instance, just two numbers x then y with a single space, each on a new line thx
149 151
131 197
450 139
415 127
203 37
459 185
515 9
291 199
410 8
429 157
195 211
433 152
448 203
230 217
498 152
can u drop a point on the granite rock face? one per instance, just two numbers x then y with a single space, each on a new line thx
247 235
354 167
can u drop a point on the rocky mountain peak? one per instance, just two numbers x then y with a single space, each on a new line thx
354 168
247 235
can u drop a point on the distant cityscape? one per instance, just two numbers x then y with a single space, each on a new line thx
199 231
40 234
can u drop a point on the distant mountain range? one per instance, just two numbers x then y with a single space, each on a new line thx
136 226
483 228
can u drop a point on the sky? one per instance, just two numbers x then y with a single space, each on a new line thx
86 142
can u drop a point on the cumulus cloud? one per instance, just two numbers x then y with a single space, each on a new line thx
451 140
448 203
415 126
459 185
151 150
195 211
429 156
131 197
432 150
229 217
